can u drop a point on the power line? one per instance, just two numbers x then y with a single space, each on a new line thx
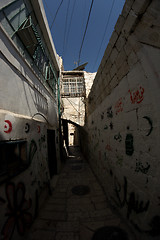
65 29
85 32
70 23
48 8
56 14
109 16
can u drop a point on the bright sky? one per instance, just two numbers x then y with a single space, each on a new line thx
69 27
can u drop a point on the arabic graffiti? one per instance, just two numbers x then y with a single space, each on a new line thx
132 202
129 144
141 168
118 137
150 123
17 210
109 112
119 106
137 96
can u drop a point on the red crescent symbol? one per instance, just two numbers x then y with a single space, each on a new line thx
8 126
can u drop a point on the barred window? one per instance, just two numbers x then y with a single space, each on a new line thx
73 87
19 21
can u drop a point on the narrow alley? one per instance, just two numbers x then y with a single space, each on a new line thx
79 150
78 207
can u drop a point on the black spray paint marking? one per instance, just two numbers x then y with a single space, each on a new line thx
133 205
27 128
109 112
111 125
141 168
118 137
129 144
150 123
106 127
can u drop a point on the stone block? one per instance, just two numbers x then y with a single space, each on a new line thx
132 59
127 7
130 23
113 38
139 7
120 59
135 44
150 36
154 9
123 71
107 66
113 55
107 52
119 24
128 48
113 71
114 82
120 42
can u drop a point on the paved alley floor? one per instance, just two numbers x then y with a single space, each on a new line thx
74 213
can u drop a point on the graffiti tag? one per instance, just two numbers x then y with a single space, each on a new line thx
133 204
119 106
137 96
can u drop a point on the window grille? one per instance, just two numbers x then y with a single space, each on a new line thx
28 38
73 87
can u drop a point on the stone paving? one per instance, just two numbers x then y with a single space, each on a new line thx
66 216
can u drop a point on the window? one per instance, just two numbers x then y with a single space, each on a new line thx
73 87
13 158
19 20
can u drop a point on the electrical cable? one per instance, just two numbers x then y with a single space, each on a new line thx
85 32
65 29
56 14
70 23
106 27
48 8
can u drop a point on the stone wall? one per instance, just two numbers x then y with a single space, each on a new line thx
122 127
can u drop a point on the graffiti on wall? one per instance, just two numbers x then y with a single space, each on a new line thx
7 126
129 144
18 215
27 128
131 200
119 106
137 96
118 137
150 124
109 112
141 168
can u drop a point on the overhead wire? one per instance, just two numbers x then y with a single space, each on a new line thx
51 15
106 28
70 23
65 29
85 32
56 14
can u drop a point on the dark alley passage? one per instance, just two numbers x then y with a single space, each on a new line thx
77 207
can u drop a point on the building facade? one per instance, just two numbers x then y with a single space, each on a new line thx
29 114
